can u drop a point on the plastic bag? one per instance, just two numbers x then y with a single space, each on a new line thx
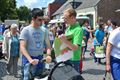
99 51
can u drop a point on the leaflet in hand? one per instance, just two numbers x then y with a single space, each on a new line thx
62 51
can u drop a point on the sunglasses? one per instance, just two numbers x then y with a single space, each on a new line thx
40 19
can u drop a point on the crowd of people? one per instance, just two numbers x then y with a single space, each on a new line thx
37 38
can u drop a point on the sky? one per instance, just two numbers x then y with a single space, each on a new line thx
33 3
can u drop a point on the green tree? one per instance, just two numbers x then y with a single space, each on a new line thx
8 9
23 13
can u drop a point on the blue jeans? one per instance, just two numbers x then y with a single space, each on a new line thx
115 67
32 70
76 65
85 48
51 42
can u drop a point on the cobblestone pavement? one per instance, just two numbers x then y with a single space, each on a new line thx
91 70
3 73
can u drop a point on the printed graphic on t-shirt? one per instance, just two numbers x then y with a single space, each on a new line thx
38 44
38 38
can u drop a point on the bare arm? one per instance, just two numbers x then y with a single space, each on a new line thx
108 50
90 30
71 46
48 47
48 57
24 51
26 54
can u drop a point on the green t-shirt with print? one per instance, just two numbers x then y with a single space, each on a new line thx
76 32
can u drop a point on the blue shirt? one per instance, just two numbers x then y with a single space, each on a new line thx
86 32
99 34
95 42
14 51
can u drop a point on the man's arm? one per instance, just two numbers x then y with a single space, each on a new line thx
72 46
48 47
47 41
89 30
108 50
26 54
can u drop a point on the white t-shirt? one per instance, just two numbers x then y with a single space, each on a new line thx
114 39
108 29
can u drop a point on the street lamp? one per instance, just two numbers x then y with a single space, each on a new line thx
75 4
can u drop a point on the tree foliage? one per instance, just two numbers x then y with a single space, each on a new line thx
23 13
8 9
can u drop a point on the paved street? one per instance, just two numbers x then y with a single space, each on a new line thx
3 73
91 70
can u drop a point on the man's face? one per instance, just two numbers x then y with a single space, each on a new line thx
46 20
38 21
67 17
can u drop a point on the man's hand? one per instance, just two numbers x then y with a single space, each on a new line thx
108 68
48 59
62 37
34 61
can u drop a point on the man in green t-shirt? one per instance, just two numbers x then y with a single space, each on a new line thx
76 33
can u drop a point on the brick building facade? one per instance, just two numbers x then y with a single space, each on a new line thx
106 9
52 7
